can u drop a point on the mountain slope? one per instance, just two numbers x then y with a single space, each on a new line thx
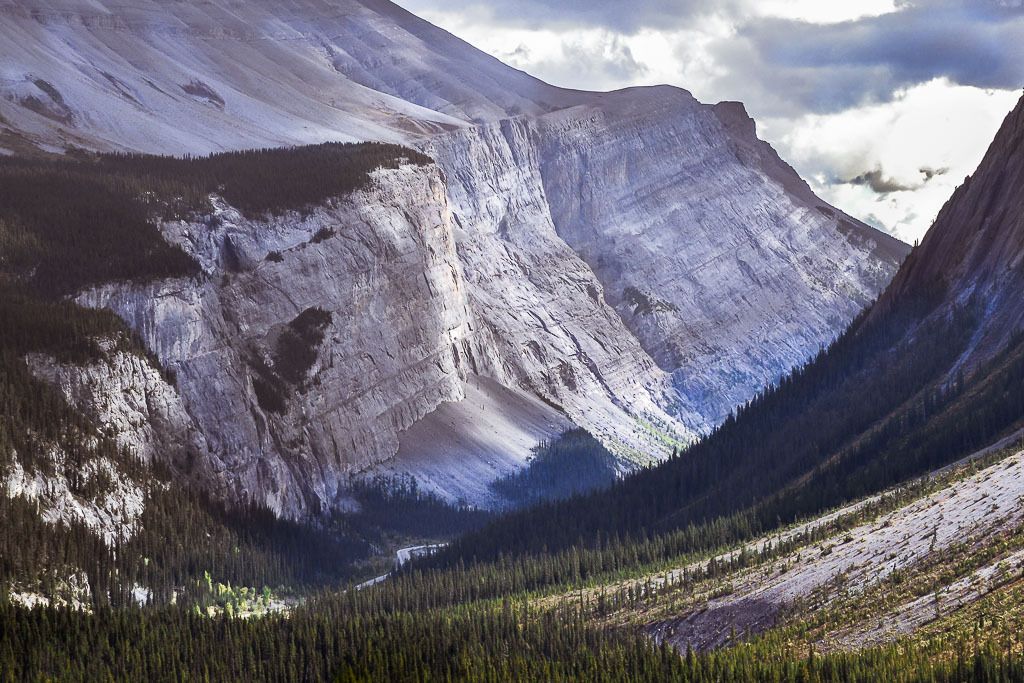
703 253
975 250
701 249
202 77
633 262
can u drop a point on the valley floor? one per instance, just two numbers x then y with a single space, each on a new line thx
920 562
921 582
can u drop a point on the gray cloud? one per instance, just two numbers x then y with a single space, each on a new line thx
520 54
801 66
930 173
828 68
879 182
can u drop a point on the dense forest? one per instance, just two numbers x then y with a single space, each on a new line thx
348 637
69 223
570 465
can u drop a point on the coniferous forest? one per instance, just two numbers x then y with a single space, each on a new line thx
235 593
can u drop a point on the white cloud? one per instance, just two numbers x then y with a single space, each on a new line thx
581 58
823 11
937 128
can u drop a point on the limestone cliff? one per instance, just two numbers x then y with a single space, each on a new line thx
391 342
633 262
722 263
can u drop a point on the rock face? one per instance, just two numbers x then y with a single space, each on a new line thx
711 250
404 330
634 262
394 335
543 304
128 400
112 515
125 398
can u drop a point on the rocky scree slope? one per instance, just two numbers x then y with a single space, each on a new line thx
633 262
866 574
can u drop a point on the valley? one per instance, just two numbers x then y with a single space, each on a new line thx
334 348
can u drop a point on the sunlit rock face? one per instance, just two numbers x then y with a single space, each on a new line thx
391 343
715 255
546 310
633 262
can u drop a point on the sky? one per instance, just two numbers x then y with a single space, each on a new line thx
884 106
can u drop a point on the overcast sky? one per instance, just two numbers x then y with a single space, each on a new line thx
882 105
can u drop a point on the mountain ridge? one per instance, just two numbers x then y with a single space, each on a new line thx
925 376
603 295
976 245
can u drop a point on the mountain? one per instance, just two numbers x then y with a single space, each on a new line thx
931 373
202 77
216 371
967 273
866 507
975 251
700 251
916 578
635 262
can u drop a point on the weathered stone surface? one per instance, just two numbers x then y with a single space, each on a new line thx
712 251
554 333
384 268
129 401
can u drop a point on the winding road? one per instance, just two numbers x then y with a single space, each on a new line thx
403 555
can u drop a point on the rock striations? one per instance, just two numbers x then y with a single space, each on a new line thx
634 262
390 334
716 256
